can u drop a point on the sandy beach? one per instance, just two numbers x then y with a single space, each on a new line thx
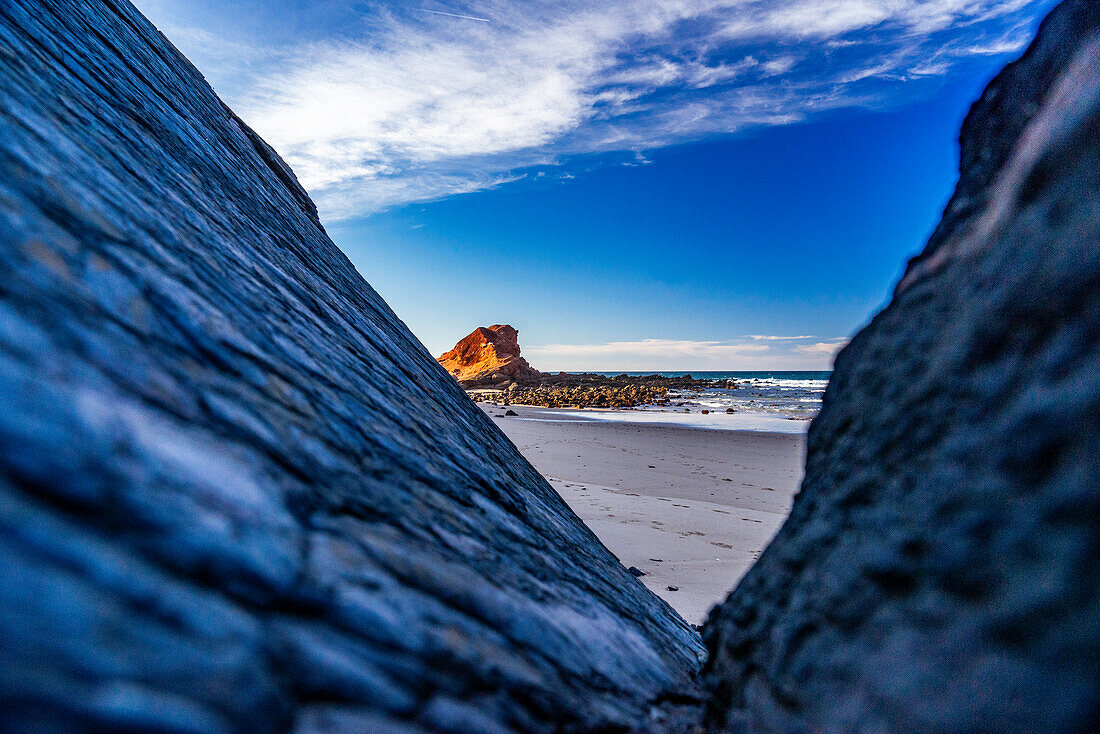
691 507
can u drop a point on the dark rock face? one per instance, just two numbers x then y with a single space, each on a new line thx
939 568
235 493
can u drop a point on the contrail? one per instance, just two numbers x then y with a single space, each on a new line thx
454 15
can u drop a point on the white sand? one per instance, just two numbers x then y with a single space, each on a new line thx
703 502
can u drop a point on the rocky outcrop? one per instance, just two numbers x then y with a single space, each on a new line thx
488 356
235 493
938 572
583 396
589 390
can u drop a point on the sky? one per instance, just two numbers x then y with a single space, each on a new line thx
646 185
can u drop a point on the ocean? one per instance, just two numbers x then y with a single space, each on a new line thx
795 395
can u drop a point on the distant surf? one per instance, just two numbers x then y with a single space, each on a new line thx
777 394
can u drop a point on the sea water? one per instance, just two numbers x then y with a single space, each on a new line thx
775 401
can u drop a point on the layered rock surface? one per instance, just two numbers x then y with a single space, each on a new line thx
938 571
488 356
235 493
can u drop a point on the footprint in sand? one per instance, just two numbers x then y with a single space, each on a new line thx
723 512
722 545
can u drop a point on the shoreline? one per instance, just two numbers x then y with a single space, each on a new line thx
713 419
691 507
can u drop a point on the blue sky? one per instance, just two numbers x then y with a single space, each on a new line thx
668 184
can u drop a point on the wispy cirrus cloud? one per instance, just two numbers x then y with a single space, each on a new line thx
757 352
827 349
400 104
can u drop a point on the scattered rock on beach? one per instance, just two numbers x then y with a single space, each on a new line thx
597 394
635 571
510 413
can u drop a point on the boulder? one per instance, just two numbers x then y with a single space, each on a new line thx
488 356
938 571
236 494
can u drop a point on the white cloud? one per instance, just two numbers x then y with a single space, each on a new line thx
826 17
780 65
759 352
415 106
997 47
824 349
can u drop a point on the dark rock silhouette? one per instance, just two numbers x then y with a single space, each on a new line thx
235 493
938 571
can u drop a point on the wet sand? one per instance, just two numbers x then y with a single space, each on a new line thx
692 508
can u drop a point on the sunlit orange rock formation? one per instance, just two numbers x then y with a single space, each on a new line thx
488 356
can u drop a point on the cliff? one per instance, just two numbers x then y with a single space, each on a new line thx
236 494
938 569
488 356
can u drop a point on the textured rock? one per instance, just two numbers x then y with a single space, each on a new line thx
593 390
235 493
938 571
488 356
600 394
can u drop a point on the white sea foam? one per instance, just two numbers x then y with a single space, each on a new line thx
762 401
789 398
